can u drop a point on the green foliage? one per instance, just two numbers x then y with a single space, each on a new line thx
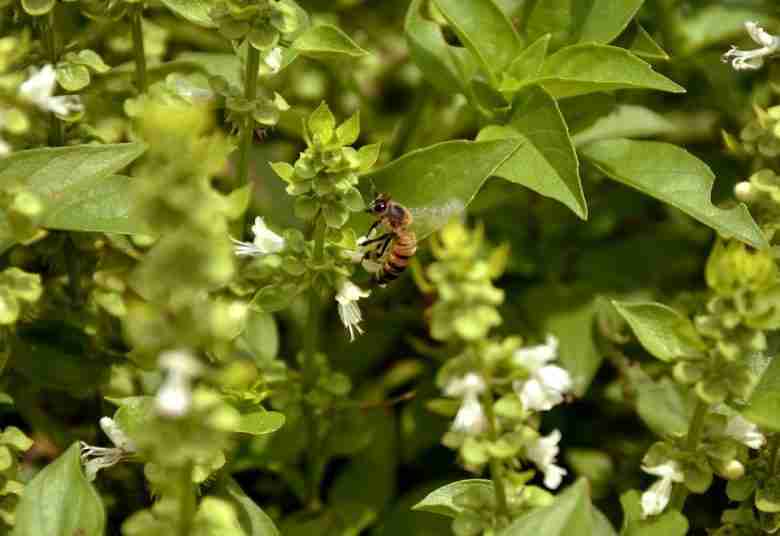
12 443
60 500
684 182
191 231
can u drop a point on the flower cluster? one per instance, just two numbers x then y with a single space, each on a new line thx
721 450
323 180
499 385
324 177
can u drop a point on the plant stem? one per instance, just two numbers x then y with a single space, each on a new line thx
310 373
774 446
138 48
495 466
187 501
691 443
49 41
247 130
697 425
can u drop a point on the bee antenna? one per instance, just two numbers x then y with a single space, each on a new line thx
373 188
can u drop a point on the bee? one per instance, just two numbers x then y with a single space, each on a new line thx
401 240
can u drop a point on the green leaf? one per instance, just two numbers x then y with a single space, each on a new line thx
528 64
37 7
228 66
196 11
569 515
662 406
627 121
347 132
581 69
663 332
673 176
763 408
73 179
601 525
103 206
15 438
584 21
578 353
606 19
639 42
60 501
485 30
134 414
432 54
72 77
438 182
260 422
669 523
442 501
261 335
546 161
90 58
322 123
325 42
253 520
238 201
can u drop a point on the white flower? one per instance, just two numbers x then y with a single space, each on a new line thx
96 458
546 384
273 60
470 418
543 452
656 498
266 241
174 397
38 89
753 59
745 432
349 311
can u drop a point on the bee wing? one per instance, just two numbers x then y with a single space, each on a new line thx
428 218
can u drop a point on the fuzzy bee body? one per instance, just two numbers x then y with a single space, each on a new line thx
401 241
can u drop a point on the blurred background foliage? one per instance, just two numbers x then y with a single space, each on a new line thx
558 273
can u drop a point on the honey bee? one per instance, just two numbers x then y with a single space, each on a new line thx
402 241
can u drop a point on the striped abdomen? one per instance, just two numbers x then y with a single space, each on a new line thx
401 250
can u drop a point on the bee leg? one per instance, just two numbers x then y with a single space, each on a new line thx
385 236
383 247
371 229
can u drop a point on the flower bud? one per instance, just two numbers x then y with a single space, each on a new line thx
745 192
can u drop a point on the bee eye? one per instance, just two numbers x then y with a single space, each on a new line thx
380 206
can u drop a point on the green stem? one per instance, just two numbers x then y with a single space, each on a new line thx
774 446
691 444
187 501
496 473
247 124
49 41
313 463
138 48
